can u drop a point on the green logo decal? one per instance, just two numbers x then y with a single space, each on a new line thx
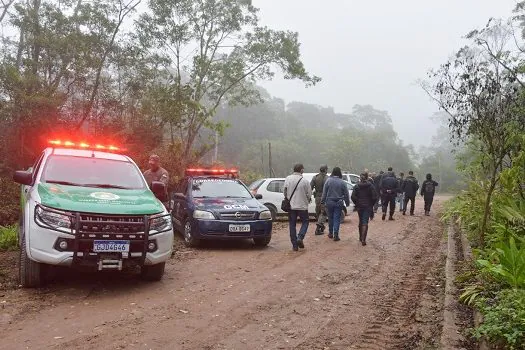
106 196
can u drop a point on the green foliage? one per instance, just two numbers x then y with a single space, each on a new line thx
507 264
8 237
504 319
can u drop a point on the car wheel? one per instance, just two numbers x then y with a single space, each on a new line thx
152 272
273 211
262 242
31 272
189 239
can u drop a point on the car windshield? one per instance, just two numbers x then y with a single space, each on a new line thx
219 188
92 172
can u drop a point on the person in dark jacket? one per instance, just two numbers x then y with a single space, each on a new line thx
428 189
317 185
364 197
377 181
409 188
388 188
400 195
335 198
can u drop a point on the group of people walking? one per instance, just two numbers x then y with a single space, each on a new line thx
331 196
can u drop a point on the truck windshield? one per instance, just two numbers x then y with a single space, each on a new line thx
92 172
219 188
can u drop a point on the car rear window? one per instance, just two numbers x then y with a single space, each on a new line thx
256 184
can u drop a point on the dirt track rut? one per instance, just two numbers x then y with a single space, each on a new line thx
387 295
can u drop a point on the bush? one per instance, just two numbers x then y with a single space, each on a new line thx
504 319
8 237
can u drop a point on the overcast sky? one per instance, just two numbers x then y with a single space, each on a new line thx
372 52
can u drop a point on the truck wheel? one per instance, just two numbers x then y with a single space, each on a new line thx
152 272
262 242
31 272
189 239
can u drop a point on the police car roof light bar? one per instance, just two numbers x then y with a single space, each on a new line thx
84 145
201 171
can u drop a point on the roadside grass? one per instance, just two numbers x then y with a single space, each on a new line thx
8 238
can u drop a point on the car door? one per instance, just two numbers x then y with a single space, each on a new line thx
180 206
274 193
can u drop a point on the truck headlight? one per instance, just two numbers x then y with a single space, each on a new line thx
160 223
203 215
53 219
265 215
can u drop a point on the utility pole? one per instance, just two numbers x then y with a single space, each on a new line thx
270 159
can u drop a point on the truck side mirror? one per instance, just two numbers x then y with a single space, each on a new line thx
23 177
159 190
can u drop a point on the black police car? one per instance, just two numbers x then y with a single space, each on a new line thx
214 204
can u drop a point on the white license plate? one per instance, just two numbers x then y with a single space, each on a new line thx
240 228
111 246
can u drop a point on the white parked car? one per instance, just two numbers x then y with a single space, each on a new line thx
271 190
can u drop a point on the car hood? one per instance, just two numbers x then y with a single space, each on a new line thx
228 204
101 201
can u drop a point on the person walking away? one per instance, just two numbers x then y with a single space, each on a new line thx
400 195
335 196
159 174
377 182
371 179
388 189
409 188
364 197
298 191
317 185
428 189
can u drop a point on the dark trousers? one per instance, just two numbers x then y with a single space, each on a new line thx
412 200
389 198
292 221
428 202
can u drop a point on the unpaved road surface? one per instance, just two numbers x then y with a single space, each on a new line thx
331 295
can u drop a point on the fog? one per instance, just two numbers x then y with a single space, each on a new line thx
373 52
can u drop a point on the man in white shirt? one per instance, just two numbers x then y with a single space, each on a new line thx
298 191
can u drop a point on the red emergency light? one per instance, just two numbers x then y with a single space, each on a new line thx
207 172
84 145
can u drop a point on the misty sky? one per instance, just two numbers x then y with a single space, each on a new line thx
372 52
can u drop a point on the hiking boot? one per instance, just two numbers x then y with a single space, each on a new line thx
300 243
295 249
330 235
383 217
336 238
404 212
319 230
391 218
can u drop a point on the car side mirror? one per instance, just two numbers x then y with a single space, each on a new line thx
23 177
159 190
258 196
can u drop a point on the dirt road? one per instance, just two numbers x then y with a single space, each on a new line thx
331 295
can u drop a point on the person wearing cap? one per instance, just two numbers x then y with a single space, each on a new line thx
157 173
317 185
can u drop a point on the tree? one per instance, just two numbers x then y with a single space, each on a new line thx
479 91
213 51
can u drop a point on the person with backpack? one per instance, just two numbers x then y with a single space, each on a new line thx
428 189
409 188
298 193
335 198
364 196
388 188
317 185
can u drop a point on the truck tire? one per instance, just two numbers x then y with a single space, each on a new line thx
152 272
262 242
189 239
31 272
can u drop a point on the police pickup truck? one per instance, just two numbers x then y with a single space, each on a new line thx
88 205
214 204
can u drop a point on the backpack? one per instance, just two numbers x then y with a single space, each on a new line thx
429 187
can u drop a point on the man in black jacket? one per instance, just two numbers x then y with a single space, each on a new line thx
389 188
377 181
428 189
409 188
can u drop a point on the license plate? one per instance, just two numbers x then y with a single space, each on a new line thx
111 246
240 228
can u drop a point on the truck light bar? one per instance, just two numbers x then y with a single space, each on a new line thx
202 171
84 145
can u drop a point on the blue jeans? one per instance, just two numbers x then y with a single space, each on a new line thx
333 209
364 215
292 220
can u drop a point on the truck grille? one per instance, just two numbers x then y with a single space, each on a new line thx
94 225
239 216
